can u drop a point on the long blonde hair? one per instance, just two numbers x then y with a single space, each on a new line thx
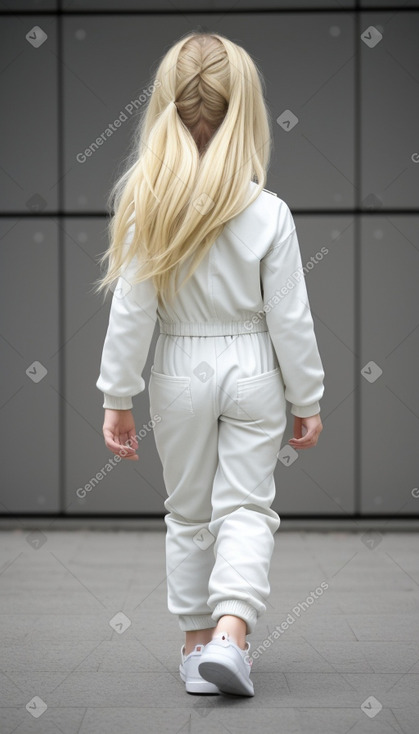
203 136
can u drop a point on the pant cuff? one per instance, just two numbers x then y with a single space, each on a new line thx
239 608
190 622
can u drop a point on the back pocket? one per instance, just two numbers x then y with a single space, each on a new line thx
261 397
170 393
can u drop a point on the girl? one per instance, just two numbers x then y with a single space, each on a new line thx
236 341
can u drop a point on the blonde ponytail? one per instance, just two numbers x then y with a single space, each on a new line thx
204 135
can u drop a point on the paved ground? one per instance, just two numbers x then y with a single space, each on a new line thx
342 661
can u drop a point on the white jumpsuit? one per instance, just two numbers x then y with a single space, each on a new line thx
237 343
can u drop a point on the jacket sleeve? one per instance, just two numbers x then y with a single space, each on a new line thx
132 319
290 324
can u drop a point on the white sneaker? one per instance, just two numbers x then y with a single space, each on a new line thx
227 666
188 669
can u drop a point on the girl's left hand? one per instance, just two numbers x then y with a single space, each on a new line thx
119 433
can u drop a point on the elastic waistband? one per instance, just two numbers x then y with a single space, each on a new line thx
213 328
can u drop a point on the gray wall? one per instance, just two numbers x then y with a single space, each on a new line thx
348 170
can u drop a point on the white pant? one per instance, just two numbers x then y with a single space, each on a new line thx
222 408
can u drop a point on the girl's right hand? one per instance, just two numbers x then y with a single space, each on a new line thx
119 433
313 427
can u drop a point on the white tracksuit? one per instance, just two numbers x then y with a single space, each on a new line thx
236 344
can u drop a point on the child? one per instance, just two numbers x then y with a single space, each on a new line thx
236 341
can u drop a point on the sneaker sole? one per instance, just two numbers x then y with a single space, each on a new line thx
199 686
225 675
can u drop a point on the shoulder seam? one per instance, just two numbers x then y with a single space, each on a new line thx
281 242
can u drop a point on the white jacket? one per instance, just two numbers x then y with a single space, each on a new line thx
250 280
